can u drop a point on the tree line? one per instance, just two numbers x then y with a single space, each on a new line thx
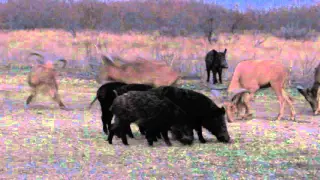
172 18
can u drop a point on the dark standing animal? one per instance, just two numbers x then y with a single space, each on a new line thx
42 78
216 62
106 95
201 110
312 95
154 113
252 75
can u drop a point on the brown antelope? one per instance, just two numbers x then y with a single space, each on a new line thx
252 75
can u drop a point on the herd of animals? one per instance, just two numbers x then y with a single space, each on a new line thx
156 105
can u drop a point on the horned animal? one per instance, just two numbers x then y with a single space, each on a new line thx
312 95
252 75
42 78
216 62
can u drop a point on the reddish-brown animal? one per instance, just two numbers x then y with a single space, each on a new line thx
141 71
42 78
252 75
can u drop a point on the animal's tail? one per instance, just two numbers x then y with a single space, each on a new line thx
92 102
115 92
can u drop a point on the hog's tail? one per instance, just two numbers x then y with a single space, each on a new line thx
115 92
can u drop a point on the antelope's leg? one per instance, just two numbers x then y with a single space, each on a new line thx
281 101
288 100
277 86
246 98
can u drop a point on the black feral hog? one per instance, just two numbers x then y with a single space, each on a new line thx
312 95
153 112
133 87
201 110
106 95
215 62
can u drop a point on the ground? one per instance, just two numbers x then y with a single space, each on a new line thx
44 142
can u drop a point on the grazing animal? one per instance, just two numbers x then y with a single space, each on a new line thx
215 62
201 110
312 95
140 71
237 103
252 75
106 96
133 87
154 113
42 78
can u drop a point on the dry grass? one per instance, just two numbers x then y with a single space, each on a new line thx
44 142
298 55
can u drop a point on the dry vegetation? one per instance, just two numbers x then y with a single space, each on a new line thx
45 142
186 54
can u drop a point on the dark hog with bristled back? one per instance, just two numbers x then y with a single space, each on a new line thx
106 95
155 113
216 62
133 87
201 111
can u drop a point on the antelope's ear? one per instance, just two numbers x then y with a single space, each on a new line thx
225 51
107 60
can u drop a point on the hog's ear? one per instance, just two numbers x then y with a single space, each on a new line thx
107 60
222 110
301 90
225 51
